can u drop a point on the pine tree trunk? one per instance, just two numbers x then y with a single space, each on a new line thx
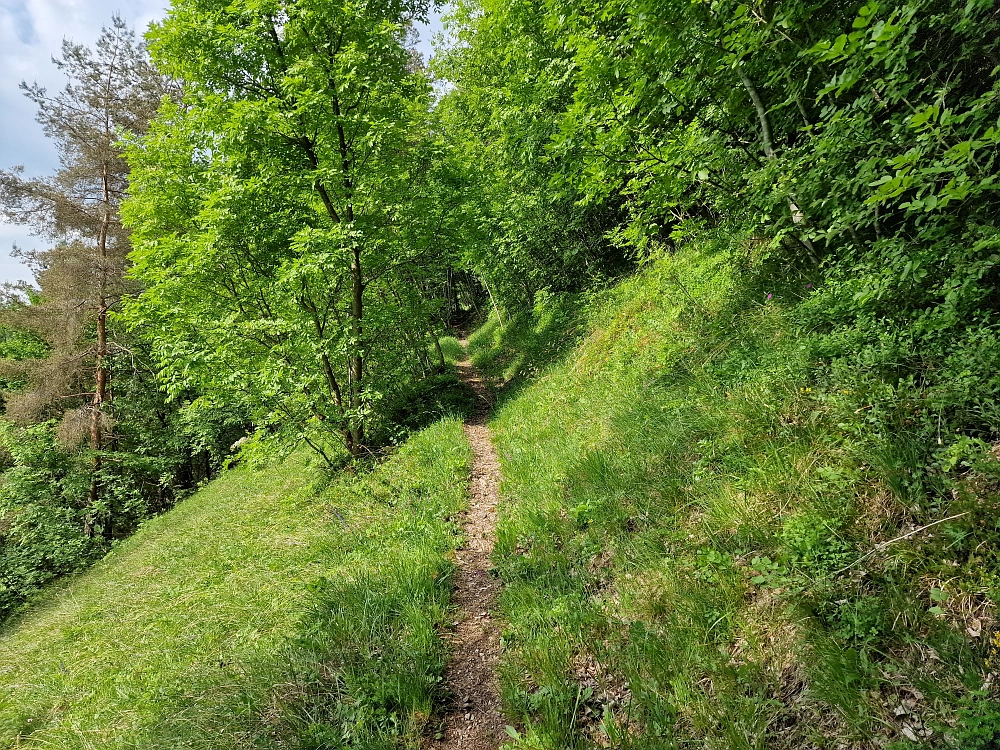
101 370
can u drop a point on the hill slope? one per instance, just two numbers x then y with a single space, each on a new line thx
699 533
272 608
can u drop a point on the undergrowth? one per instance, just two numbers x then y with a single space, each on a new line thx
274 608
700 535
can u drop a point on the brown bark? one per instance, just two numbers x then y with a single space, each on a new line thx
102 376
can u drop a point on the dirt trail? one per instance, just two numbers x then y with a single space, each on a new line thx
472 718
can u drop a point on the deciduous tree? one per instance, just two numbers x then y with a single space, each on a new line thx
286 212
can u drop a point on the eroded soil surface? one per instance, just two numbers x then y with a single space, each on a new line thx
471 719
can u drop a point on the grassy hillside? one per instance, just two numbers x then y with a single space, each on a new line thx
271 609
699 533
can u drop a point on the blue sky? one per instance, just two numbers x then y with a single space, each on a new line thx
31 32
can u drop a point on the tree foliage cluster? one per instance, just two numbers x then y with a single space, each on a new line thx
849 148
292 221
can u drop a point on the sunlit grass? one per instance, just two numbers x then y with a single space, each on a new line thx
452 349
270 609
680 497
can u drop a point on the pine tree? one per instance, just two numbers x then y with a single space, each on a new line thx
112 93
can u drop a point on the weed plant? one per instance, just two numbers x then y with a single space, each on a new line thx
274 608
697 532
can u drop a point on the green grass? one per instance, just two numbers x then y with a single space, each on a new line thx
684 485
452 348
273 608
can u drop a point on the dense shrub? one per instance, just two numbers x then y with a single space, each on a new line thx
43 522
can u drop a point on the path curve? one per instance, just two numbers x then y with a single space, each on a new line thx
472 719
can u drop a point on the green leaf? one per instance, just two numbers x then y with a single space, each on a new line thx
928 113
868 10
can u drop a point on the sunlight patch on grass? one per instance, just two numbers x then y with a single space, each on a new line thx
452 348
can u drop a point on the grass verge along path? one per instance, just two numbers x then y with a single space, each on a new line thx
692 499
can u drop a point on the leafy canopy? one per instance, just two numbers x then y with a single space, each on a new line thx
286 214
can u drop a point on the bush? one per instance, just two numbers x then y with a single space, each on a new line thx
419 404
43 519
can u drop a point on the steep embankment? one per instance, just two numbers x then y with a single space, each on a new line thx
700 534
270 609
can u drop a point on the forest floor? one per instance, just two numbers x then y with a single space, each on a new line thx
472 719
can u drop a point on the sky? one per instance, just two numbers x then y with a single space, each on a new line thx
31 33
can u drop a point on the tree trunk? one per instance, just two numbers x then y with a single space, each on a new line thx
440 351
351 401
100 365
767 141
765 123
356 364
450 298
495 308
356 359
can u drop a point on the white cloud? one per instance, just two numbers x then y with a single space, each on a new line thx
31 33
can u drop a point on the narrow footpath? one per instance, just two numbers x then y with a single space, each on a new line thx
472 718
